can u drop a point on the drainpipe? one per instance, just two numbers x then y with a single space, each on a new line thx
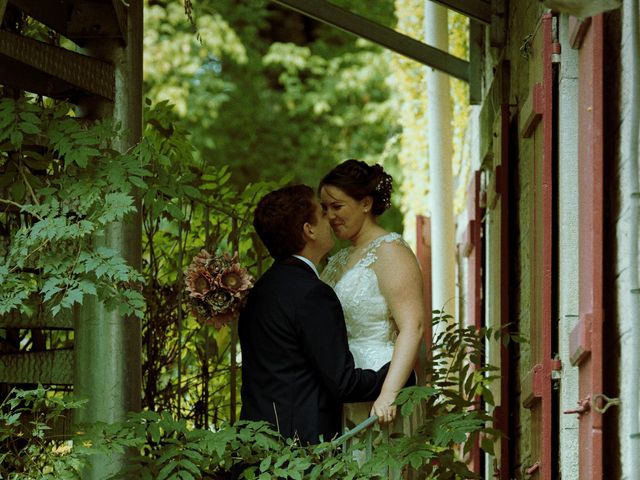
633 196
440 155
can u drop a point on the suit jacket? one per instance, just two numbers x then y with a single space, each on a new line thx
297 369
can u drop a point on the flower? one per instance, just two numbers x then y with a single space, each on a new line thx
235 279
199 281
217 287
219 264
219 300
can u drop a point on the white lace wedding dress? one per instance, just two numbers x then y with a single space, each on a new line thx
371 330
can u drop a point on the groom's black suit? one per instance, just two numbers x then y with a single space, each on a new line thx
297 369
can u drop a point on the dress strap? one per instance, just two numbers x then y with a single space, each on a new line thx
334 268
370 256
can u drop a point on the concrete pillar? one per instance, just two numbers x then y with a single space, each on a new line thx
108 344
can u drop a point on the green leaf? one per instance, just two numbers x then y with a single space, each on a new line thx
154 430
88 287
29 117
175 212
191 191
71 297
138 182
167 469
487 445
29 128
16 139
189 466
18 191
117 205
186 475
265 464
13 418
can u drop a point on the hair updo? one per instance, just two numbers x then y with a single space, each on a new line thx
358 180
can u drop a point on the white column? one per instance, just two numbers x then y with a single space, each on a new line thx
439 140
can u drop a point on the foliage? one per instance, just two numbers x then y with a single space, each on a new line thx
286 94
28 449
454 403
189 203
409 98
159 446
61 187
179 65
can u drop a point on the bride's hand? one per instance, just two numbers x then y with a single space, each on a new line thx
384 409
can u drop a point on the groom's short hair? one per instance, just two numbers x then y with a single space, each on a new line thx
280 216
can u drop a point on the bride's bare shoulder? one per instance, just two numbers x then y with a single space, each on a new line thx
393 245
397 268
395 255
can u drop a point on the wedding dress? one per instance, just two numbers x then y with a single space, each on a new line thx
371 330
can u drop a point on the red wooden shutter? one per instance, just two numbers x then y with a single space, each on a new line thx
423 253
502 412
473 250
586 338
539 126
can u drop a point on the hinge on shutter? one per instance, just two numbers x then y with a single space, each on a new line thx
556 50
556 369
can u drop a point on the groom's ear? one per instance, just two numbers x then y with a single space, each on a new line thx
308 232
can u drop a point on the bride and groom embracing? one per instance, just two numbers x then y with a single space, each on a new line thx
321 351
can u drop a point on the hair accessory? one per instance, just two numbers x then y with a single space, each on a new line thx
384 188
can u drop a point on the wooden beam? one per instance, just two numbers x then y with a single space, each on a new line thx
386 37
498 25
51 367
91 20
3 7
476 51
62 321
35 66
477 10
78 20
53 14
122 16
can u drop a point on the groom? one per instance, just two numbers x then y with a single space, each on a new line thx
297 369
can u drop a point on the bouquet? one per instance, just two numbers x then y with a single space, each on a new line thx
217 287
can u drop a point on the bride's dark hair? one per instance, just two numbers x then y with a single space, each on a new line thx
358 180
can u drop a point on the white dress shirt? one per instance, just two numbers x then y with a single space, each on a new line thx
308 262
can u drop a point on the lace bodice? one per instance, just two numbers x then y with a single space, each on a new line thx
370 328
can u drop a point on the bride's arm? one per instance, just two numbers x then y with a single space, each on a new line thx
400 283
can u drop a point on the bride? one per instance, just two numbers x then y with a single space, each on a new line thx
377 280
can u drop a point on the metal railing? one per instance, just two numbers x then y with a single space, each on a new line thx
355 430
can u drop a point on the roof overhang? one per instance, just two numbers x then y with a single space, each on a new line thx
479 11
